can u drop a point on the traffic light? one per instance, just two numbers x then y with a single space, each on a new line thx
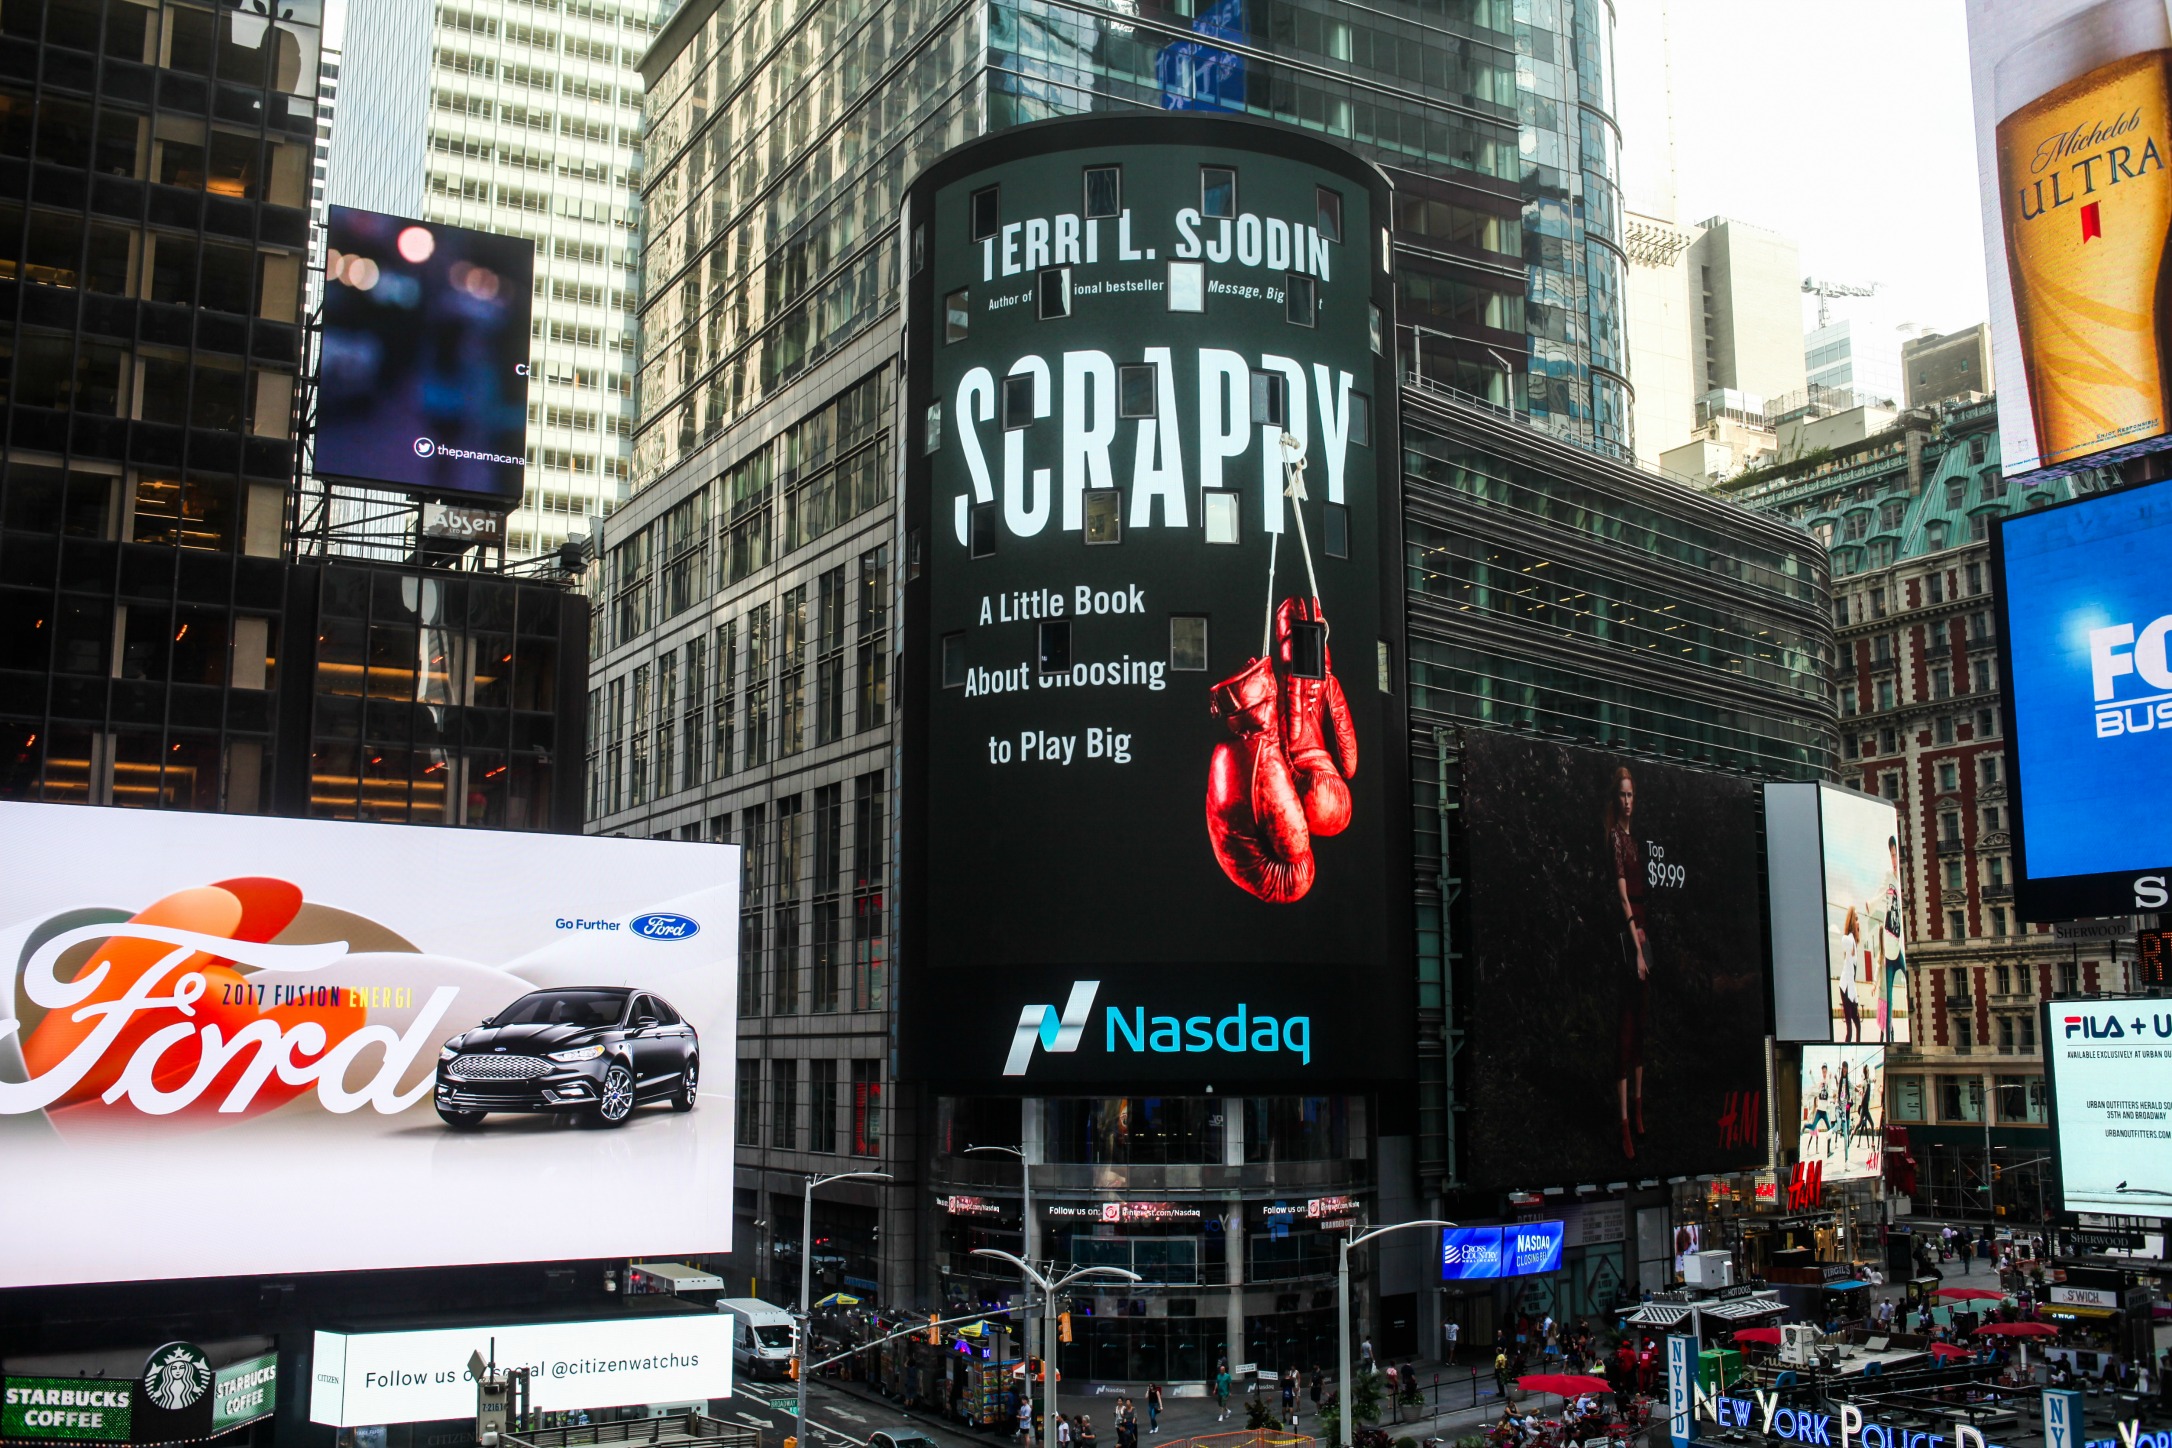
792 1370
935 1334
1063 1327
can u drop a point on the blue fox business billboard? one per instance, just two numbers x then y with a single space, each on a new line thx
2086 620
1153 790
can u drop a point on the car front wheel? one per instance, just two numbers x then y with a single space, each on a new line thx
683 1099
615 1096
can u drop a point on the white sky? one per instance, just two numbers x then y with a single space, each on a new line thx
1844 124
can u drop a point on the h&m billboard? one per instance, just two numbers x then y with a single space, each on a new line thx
1616 993
1154 771
334 1022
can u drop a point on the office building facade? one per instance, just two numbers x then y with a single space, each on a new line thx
1937 366
745 628
1857 356
1746 310
1906 512
520 117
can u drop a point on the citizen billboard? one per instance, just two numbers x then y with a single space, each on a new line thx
2085 620
360 1379
1616 996
334 1022
1154 785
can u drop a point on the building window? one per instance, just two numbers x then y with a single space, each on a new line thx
1327 211
1218 193
1840 608
1885 695
1021 403
1218 510
1949 828
2006 1035
1053 292
1904 1098
1949 776
1054 651
1934 587
784 1105
822 1106
1187 286
1136 391
1300 305
1975 578
1104 191
1943 729
867 1108
1335 530
1998 874
749 1114
954 661
1270 399
1956 927
1104 515
1988 770
1890 785
987 212
2021 1099
1990 817
1982 674
1941 682
1877 603
1953 874
957 315
2069 978
932 432
1187 643
981 530
1987 723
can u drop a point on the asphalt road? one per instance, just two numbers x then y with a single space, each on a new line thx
835 1418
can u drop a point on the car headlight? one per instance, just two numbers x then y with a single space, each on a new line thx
449 1050
578 1053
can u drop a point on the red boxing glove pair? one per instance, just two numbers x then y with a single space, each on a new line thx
1285 779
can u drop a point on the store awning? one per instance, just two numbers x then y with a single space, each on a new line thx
1848 1286
1720 1309
1658 1314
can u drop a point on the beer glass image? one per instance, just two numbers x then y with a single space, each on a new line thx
2084 137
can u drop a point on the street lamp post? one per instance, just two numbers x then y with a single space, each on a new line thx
1342 1315
802 1337
1048 1323
1025 1218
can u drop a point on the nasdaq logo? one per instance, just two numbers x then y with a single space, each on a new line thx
1052 1031
2118 652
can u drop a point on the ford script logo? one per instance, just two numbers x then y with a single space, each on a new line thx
661 926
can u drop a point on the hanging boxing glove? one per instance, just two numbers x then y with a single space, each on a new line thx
1254 819
1316 726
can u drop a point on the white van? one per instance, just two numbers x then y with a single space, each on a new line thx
761 1337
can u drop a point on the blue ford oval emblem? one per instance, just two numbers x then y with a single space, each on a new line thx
662 926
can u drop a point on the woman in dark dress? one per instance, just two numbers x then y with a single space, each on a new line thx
1635 971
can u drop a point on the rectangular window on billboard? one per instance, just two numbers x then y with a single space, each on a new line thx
336 1022
2085 602
424 374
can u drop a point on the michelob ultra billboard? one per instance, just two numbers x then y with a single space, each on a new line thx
1154 750
2073 102
394 1046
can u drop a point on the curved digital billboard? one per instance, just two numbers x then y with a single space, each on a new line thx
2085 601
1154 742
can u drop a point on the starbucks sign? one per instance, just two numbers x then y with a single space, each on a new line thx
176 1375
83 1410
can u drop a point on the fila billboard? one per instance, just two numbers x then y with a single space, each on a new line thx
1154 745
334 1021
2085 638
2109 1064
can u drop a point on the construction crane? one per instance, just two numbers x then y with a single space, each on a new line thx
1826 291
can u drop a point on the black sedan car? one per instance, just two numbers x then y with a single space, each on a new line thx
598 1051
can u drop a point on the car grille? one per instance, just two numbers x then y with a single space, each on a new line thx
499 1068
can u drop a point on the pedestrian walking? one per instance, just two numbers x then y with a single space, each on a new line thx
1450 1332
1500 1373
1365 1353
1316 1386
1086 1438
1221 1393
1025 1418
1289 1396
1153 1408
1063 1431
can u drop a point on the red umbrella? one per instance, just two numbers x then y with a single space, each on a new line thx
1948 1350
1770 1335
1567 1385
1972 1294
2017 1329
